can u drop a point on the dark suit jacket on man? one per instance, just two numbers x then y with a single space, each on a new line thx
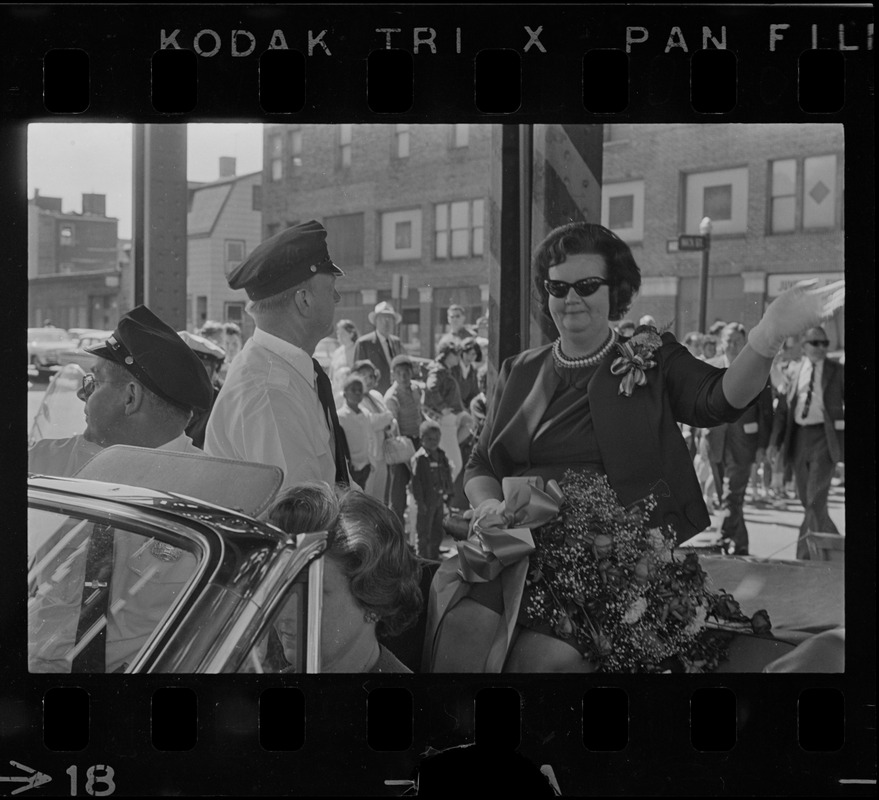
368 346
832 389
641 445
749 433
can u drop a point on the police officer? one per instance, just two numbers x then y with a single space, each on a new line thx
96 615
276 405
142 391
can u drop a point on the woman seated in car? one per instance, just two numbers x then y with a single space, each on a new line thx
370 588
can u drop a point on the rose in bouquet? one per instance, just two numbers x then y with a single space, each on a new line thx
605 579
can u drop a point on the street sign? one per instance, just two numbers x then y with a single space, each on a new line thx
691 242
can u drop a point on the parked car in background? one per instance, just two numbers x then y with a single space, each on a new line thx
44 346
78 355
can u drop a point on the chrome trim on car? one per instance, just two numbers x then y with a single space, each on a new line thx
315 613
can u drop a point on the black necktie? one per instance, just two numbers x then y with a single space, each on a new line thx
95 599
808 402
325 395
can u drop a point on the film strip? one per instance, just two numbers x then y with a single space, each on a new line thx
713 734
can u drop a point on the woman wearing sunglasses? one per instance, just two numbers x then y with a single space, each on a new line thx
594 402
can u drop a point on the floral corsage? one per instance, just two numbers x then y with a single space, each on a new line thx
605 580
636 358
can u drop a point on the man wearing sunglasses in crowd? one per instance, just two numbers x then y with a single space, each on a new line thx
142 391
809 431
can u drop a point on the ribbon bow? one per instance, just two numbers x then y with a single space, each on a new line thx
632 366
499 547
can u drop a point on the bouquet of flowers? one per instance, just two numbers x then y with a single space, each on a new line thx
605 580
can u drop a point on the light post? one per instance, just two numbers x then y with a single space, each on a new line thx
704 230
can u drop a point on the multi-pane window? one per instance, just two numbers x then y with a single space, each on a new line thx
401 235
783 188
460 229
276 157
460 134
66 235
294 148
803 193
401 140
256 198
345 135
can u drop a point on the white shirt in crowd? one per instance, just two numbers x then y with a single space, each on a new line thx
358 432
816 404
268 412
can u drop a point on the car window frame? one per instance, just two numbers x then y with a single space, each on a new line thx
148 522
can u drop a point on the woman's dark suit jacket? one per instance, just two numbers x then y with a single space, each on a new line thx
641 445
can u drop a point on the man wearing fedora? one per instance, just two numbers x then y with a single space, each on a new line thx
142 391
381 346
276 405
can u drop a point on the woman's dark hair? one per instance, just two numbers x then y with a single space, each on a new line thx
584 238
470 343
369 545
445 348
367 542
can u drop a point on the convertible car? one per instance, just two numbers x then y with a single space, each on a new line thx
193 587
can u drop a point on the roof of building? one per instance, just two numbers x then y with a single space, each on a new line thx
207 203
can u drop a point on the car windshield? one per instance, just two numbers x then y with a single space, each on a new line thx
48 335
97 592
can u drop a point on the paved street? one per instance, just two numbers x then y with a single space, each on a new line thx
773 532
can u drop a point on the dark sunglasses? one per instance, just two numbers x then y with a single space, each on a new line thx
818 342
584 287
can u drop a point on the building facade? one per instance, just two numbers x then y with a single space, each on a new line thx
224 224
73 264
405 208
773 192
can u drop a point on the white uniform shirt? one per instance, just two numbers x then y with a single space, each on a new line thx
65 457
268 412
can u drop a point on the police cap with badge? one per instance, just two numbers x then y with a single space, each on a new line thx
285 260
154 354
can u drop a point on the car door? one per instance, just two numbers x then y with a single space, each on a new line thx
104 580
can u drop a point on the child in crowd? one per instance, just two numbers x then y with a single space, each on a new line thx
431 486
358 429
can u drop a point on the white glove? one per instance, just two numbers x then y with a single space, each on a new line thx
793 312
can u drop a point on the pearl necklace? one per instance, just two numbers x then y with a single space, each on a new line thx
587 361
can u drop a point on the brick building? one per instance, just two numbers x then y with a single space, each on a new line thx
224 223
411 200
397 200
73 264
774 194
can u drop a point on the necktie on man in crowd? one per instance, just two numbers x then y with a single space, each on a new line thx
808 403
91 632
325 395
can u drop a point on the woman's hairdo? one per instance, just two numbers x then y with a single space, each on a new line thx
370 546
585 238
367 541
470 343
